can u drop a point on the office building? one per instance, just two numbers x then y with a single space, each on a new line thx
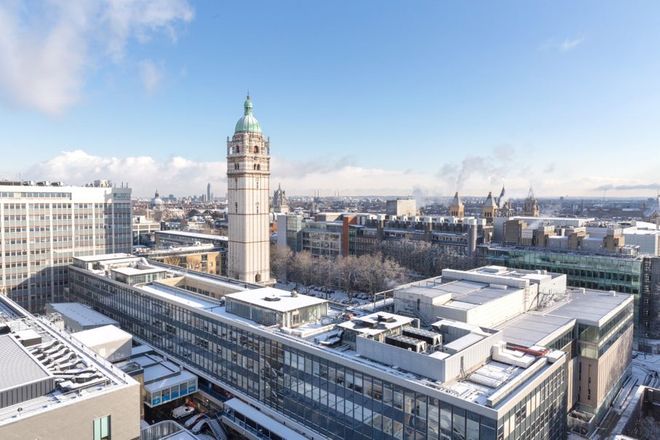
54 387
248 194
286 355
401 207
44 225
209 197
535 309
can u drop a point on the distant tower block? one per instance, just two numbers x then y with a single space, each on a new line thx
248 178
457 208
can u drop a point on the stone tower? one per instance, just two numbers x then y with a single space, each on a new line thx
457 208
489 208
248 176
531 206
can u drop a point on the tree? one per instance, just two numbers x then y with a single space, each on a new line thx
280 262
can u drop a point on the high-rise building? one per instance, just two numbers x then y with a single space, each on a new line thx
248 177
208 192
44 225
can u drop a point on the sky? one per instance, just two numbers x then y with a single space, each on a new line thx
377 97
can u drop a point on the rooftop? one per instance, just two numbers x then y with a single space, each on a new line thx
275 299
82 314
592 307
18 366
535 328
194 235
40 367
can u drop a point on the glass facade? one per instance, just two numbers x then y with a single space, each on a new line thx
334 399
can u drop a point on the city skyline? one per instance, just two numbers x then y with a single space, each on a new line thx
483 95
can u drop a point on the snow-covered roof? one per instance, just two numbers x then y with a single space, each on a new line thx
275 299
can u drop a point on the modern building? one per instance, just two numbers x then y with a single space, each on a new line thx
54 387
43 225
535 309
285 356
76 317
144 229
248 205
202 257
172 238
619 272
401 207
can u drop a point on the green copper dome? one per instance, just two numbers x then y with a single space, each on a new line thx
247 123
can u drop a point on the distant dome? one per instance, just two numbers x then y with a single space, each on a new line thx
248 123
156 201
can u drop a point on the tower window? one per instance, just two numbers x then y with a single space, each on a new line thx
238 149
259 166
236 166
236 206
256 149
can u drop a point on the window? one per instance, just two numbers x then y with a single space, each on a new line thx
102 428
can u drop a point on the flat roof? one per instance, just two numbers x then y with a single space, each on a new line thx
194 235
16 364
592 307
532 329
389 321
104 257
262 419
278 300
102 335
180 296
83 315
129 271
168 382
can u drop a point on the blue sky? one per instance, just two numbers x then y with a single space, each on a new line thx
358 97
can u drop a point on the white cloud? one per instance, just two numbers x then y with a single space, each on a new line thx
151 75
143 173
565 45
47 47
142 18
570 44
182 176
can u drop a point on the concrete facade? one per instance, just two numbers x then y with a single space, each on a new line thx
44 225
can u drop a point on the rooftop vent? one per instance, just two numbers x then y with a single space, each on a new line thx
272 298
385 318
